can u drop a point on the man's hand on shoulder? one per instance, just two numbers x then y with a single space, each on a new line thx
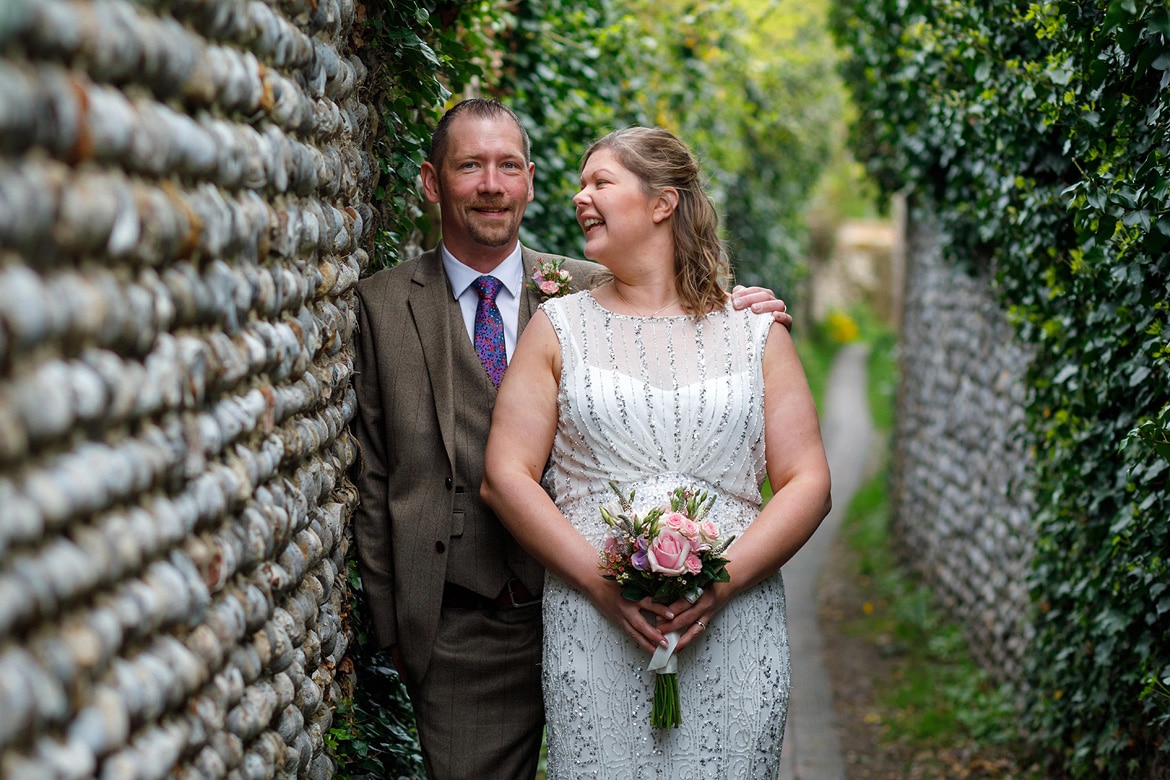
762 301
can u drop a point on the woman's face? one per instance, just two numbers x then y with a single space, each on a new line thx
613 209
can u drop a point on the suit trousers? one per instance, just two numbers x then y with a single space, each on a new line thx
480 710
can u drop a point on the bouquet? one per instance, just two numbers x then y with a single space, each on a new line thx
666 553
550 280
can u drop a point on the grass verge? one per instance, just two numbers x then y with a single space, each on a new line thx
933 706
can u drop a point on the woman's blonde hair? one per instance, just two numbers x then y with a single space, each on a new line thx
660 161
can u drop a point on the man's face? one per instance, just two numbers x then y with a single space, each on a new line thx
482 188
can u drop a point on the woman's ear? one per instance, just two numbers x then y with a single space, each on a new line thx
666 204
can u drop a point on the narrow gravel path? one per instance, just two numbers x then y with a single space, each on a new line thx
812 745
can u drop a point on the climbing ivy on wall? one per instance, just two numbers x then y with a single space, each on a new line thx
1039 135
571 71
418 54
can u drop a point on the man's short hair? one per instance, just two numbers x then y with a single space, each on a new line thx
479 107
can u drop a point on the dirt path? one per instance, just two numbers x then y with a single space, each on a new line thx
812 746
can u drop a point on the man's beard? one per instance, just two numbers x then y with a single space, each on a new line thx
497 232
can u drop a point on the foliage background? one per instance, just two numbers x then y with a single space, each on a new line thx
1038 134
750 85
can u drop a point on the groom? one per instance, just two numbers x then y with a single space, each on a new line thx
452 595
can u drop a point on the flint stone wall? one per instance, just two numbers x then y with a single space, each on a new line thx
182 217
960 474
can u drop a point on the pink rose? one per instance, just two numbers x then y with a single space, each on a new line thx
674 520
694 565
548 287
690 529
668 553
709 530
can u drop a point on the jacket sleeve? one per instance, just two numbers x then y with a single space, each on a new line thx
371 519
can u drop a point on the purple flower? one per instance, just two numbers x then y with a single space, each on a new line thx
639 559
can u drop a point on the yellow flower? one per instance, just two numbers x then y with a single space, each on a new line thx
842 328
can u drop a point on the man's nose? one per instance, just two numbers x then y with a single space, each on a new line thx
491 180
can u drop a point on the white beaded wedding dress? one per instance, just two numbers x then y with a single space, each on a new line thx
652 403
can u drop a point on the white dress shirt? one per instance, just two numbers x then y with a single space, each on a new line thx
510 272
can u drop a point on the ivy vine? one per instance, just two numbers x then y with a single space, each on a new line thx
1039 134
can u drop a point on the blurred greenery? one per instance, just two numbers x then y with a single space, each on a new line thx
1035 137
936 695
750 85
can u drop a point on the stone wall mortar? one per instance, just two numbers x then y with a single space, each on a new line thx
184 209
961 500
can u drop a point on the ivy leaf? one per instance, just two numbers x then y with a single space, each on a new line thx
1159 21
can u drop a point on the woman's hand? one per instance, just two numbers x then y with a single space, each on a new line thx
691 620
631 616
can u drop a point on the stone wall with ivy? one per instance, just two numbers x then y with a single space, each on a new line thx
1038 134
181 219
961 502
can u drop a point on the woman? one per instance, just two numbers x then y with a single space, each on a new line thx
651 380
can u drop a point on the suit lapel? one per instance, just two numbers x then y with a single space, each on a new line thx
529 299
431 305
434 311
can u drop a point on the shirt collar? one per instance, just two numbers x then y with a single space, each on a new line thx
510 271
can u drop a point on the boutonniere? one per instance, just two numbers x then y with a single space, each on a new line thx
550 280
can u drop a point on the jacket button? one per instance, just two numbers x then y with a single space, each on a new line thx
440 547
448 483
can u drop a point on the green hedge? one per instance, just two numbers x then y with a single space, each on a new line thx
1039 134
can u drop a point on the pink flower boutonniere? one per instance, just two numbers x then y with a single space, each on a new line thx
550 280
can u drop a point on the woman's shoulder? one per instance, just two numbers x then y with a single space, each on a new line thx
567 303
750 327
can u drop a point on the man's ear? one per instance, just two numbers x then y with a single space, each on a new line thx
430 182
531 182
666 204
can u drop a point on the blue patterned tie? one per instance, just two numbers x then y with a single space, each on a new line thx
489 329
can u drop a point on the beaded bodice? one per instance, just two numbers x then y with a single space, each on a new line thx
664 399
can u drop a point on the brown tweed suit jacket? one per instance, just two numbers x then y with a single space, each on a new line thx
424 410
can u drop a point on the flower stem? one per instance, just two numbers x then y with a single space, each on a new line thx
665 712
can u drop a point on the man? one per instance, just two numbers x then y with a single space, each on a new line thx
452 595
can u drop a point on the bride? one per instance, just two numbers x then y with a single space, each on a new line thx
651 380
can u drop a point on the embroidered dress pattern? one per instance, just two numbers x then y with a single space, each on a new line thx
651 403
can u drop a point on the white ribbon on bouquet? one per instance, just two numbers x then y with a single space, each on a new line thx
664 661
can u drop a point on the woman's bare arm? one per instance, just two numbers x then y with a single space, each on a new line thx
523 430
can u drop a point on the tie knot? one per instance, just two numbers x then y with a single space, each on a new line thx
488 287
